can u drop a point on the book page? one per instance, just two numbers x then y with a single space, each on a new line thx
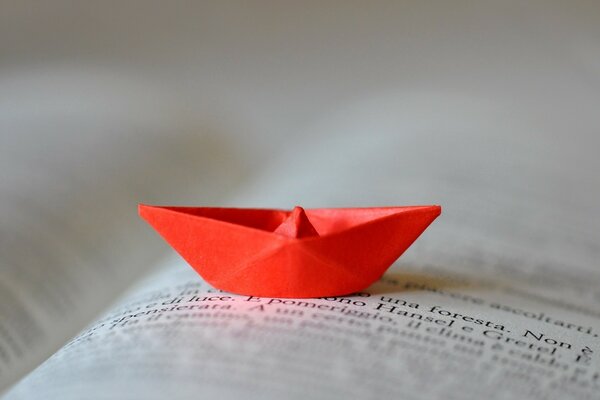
498 299
71 239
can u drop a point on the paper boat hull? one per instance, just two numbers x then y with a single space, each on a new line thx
247 260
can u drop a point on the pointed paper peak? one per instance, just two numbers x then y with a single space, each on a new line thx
297 225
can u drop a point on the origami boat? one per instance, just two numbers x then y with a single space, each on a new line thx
298 253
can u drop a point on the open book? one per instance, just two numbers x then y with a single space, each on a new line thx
498 299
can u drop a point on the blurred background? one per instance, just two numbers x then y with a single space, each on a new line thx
263 72
104 104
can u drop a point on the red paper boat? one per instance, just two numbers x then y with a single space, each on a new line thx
277 253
